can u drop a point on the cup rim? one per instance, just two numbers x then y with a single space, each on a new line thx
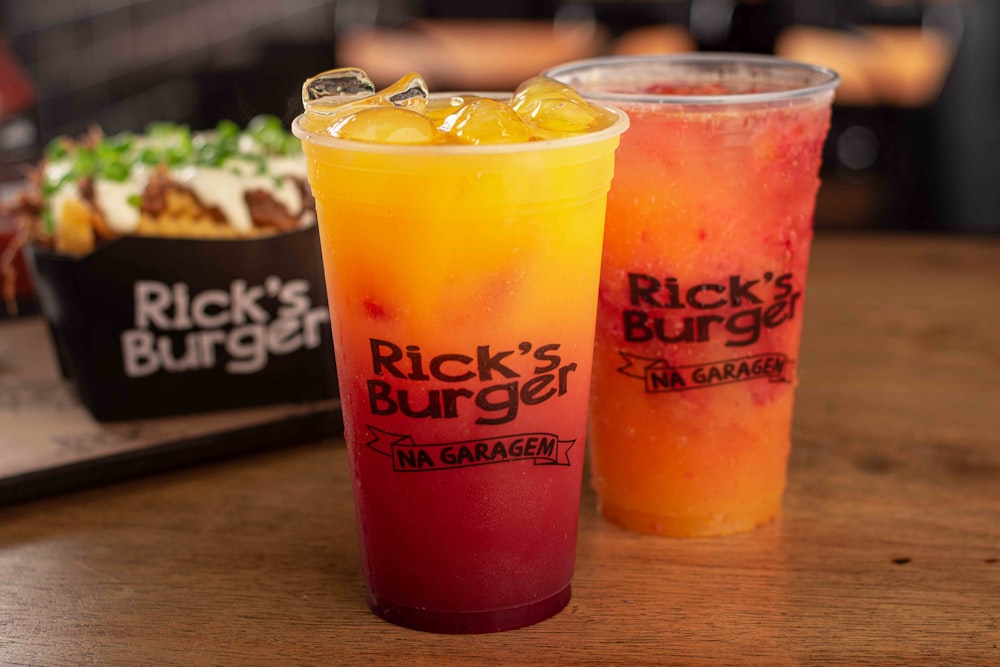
614 130
820 79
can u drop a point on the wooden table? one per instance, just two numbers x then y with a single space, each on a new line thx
888 551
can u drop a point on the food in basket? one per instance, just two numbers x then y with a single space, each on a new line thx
170 181
226 183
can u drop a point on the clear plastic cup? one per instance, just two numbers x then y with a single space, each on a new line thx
702 287
462 285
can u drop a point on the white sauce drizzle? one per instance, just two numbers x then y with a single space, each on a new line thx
225 190
54 171
112 198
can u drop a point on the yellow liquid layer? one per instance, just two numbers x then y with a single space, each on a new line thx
745 519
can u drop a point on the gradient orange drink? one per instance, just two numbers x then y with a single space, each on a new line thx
702 287
463 290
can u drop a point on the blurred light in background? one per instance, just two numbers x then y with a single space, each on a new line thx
914 142
857 147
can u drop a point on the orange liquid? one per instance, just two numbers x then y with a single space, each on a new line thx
702 293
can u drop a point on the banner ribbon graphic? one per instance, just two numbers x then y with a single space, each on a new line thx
659 376
410 456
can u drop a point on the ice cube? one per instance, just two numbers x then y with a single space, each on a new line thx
386 125
553 109
439 109
564 117
409 92
529 95
336 86
485 121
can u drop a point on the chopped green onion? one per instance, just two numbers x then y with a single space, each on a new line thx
292 145
56 150
150 156
49 219
83 162
118 143
177 156
115 171
227 128
209 155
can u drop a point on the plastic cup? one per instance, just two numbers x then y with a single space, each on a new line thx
702 288
463 293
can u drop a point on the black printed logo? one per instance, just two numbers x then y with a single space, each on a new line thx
659 376
493 383
736 310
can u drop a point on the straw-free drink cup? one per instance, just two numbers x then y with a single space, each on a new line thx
702 287
463 292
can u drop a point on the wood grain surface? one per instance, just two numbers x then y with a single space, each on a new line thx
888 551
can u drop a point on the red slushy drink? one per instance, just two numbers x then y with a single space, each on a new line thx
702 286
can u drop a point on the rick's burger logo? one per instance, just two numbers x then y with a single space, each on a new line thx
737 310
493 385
238 328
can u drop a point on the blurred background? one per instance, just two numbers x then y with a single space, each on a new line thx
915 142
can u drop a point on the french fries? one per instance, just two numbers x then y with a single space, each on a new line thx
74 235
